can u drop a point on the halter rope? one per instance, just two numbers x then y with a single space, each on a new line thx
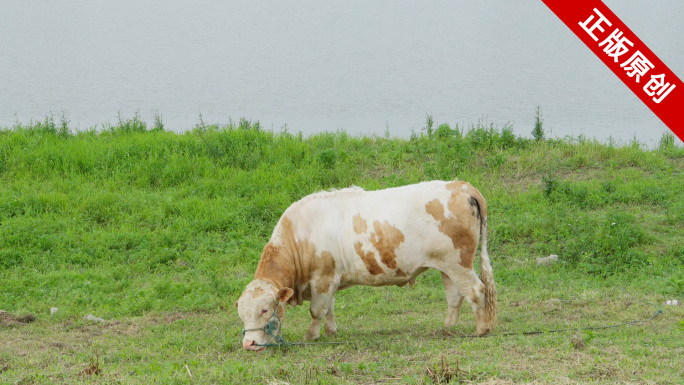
272 328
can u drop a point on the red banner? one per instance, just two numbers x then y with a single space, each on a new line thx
627 56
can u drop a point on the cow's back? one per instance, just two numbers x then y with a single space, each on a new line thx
388 236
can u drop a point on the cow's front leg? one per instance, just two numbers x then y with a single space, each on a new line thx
320 303
330 325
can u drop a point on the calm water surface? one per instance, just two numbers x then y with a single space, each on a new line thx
315 66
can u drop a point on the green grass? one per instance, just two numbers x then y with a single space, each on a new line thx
158 233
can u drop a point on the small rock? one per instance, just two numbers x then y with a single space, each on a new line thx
54 310
672 302
547 260
91 317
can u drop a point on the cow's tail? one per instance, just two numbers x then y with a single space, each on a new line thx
486 273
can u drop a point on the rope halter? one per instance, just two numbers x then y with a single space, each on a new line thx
272 328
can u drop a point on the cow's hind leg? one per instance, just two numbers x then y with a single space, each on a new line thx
473 290
454 300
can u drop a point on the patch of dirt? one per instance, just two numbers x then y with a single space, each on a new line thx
8 320
497 382
604 371
169 318
4 365
58 345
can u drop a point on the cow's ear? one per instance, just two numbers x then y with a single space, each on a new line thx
284 294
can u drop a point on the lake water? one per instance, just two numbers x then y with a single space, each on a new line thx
312 66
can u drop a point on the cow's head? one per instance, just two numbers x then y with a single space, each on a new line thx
261 308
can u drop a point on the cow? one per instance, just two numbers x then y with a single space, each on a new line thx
332 240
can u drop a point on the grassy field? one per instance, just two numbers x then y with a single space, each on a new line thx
157 233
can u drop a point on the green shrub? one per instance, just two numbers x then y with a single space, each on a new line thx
149 204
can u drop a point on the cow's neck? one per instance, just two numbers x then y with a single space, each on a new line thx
286 260
279 267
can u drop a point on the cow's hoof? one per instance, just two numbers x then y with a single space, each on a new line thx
331 332
311 337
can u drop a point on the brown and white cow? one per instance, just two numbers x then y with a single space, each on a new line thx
330 241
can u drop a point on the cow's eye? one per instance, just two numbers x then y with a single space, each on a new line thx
264 311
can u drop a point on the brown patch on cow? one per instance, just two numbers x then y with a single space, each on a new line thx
360 225
456 185
461 237
400 273
435 209
386 239
300 252
368 259
459 186
272 266
294 263
257 293
438 255
325 267
456 208
288 264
